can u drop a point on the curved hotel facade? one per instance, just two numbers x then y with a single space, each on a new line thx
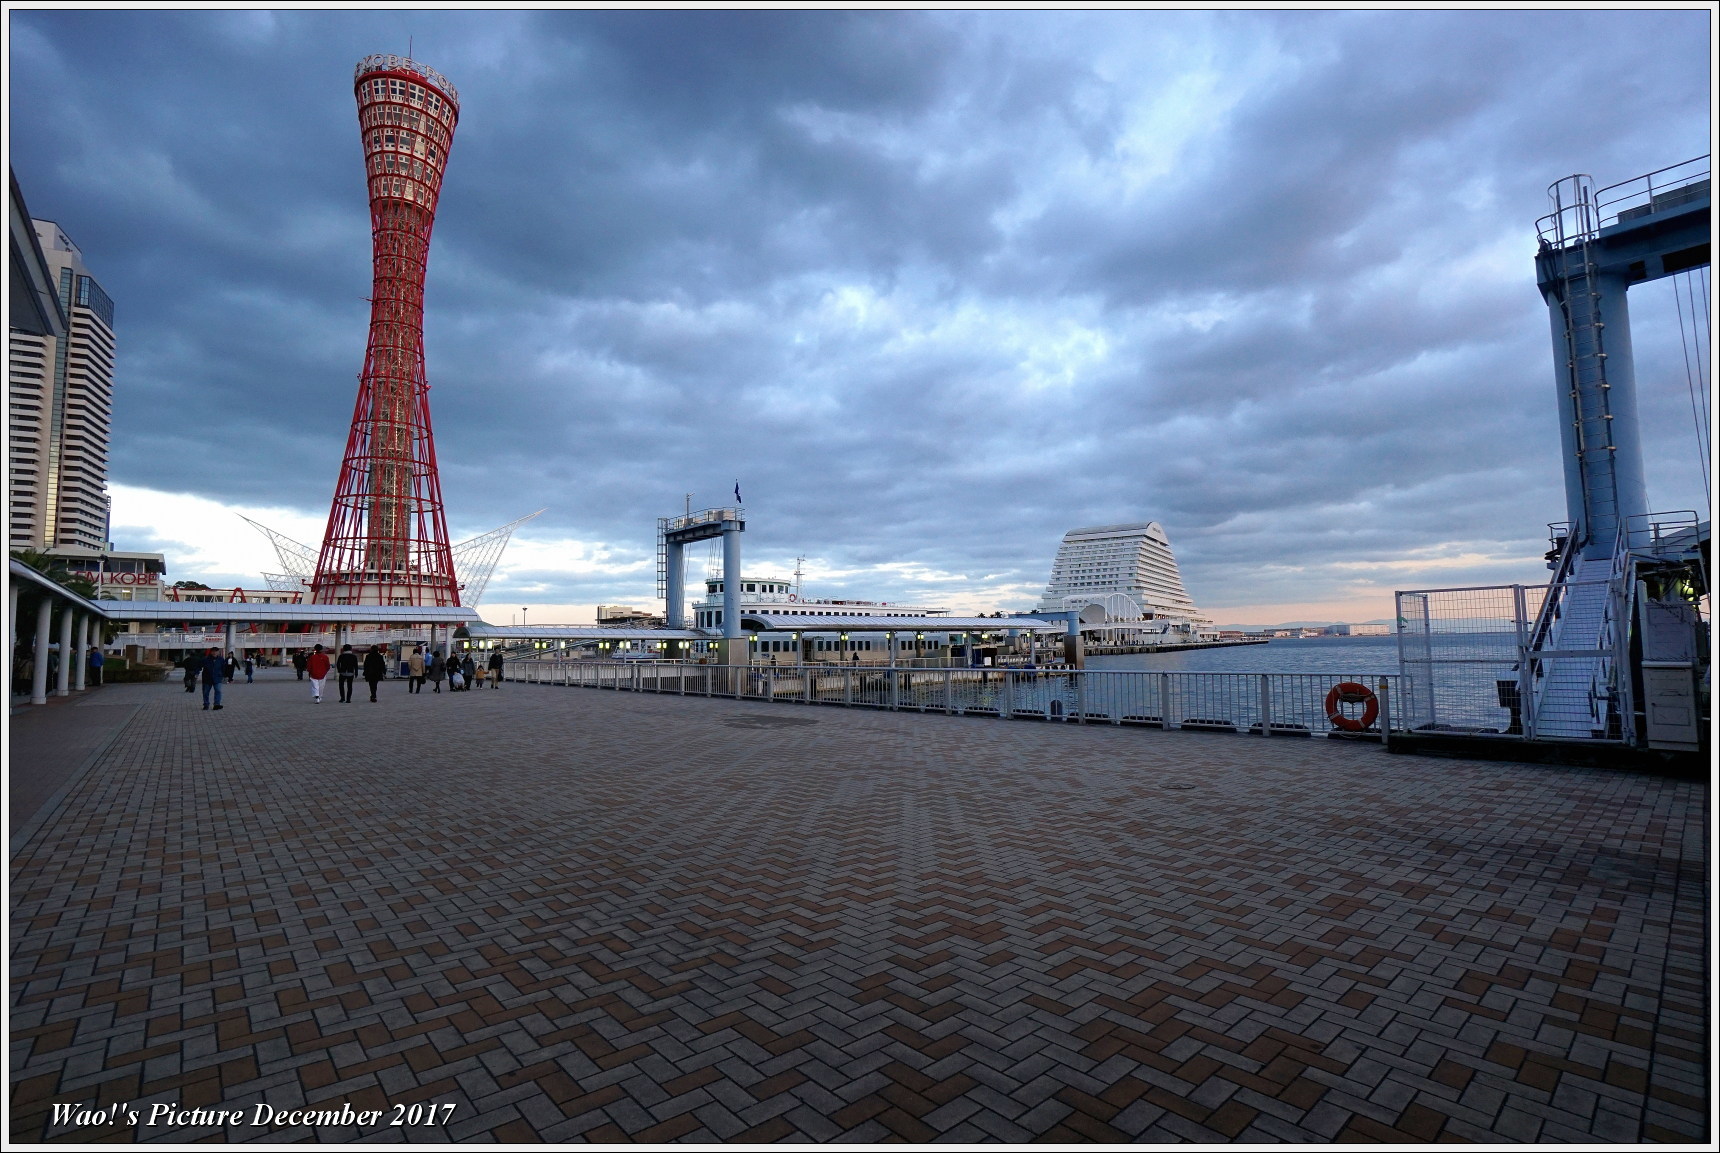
1128 571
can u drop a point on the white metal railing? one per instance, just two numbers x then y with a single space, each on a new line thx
1285 703
1580 210
704 516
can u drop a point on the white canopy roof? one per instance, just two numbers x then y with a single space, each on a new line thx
486 632
285 614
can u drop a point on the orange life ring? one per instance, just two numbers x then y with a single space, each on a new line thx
1351 693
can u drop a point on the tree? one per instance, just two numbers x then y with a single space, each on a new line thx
54 568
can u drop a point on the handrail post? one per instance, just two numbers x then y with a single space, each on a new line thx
1006 698
1080 676
1525 674
806 683
949 682
895 692
1265 704
1385 713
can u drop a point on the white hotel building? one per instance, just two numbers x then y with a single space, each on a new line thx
1124 575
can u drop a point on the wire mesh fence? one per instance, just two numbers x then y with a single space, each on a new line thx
1517 660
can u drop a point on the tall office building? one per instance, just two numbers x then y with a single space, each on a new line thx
60 386
1126 568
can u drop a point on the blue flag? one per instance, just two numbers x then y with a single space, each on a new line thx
738 493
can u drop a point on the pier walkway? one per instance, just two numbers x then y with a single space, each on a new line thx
583 915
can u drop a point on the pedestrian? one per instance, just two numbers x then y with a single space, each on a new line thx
415 670
375 668
214 671
468 671
299 663
346 671
317 666
496 669
435 671
96 660
192 663
232 666
250 667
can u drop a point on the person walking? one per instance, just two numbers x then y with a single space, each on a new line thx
317 666
250 667
346 671
468 670
496 669
299 663
232 666
435 671
375 669
214 671
415 670
192 664
96 660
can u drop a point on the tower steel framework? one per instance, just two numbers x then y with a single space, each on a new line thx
387 537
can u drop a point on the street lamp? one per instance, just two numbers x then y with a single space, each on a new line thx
522 618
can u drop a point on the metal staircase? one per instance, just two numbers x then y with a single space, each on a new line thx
1576 656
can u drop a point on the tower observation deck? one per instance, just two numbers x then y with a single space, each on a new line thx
387 537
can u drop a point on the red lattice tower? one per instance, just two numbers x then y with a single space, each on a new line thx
387 539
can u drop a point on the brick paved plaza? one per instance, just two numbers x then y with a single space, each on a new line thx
585 915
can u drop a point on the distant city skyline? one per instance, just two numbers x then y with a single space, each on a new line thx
938 287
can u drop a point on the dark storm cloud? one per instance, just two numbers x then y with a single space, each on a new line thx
937 287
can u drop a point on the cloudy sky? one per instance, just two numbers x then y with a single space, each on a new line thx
934 287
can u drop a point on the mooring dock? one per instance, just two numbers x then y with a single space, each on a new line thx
623 916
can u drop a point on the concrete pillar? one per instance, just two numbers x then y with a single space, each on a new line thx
734 643
86 626
39 677
1074 652
227 635
674 589
63 678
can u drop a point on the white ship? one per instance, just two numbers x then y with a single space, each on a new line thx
773 596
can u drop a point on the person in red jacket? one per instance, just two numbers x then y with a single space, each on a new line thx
317 666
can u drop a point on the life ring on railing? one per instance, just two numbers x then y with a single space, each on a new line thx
793 597
1352 693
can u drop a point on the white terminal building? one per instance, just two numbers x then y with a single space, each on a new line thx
825 621
1123 580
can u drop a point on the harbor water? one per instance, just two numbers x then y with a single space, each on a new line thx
1337 656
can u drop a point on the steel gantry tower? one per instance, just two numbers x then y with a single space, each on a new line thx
387 537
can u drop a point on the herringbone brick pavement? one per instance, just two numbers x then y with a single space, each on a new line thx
586 915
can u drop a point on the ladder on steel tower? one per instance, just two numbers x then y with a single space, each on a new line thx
1575 226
